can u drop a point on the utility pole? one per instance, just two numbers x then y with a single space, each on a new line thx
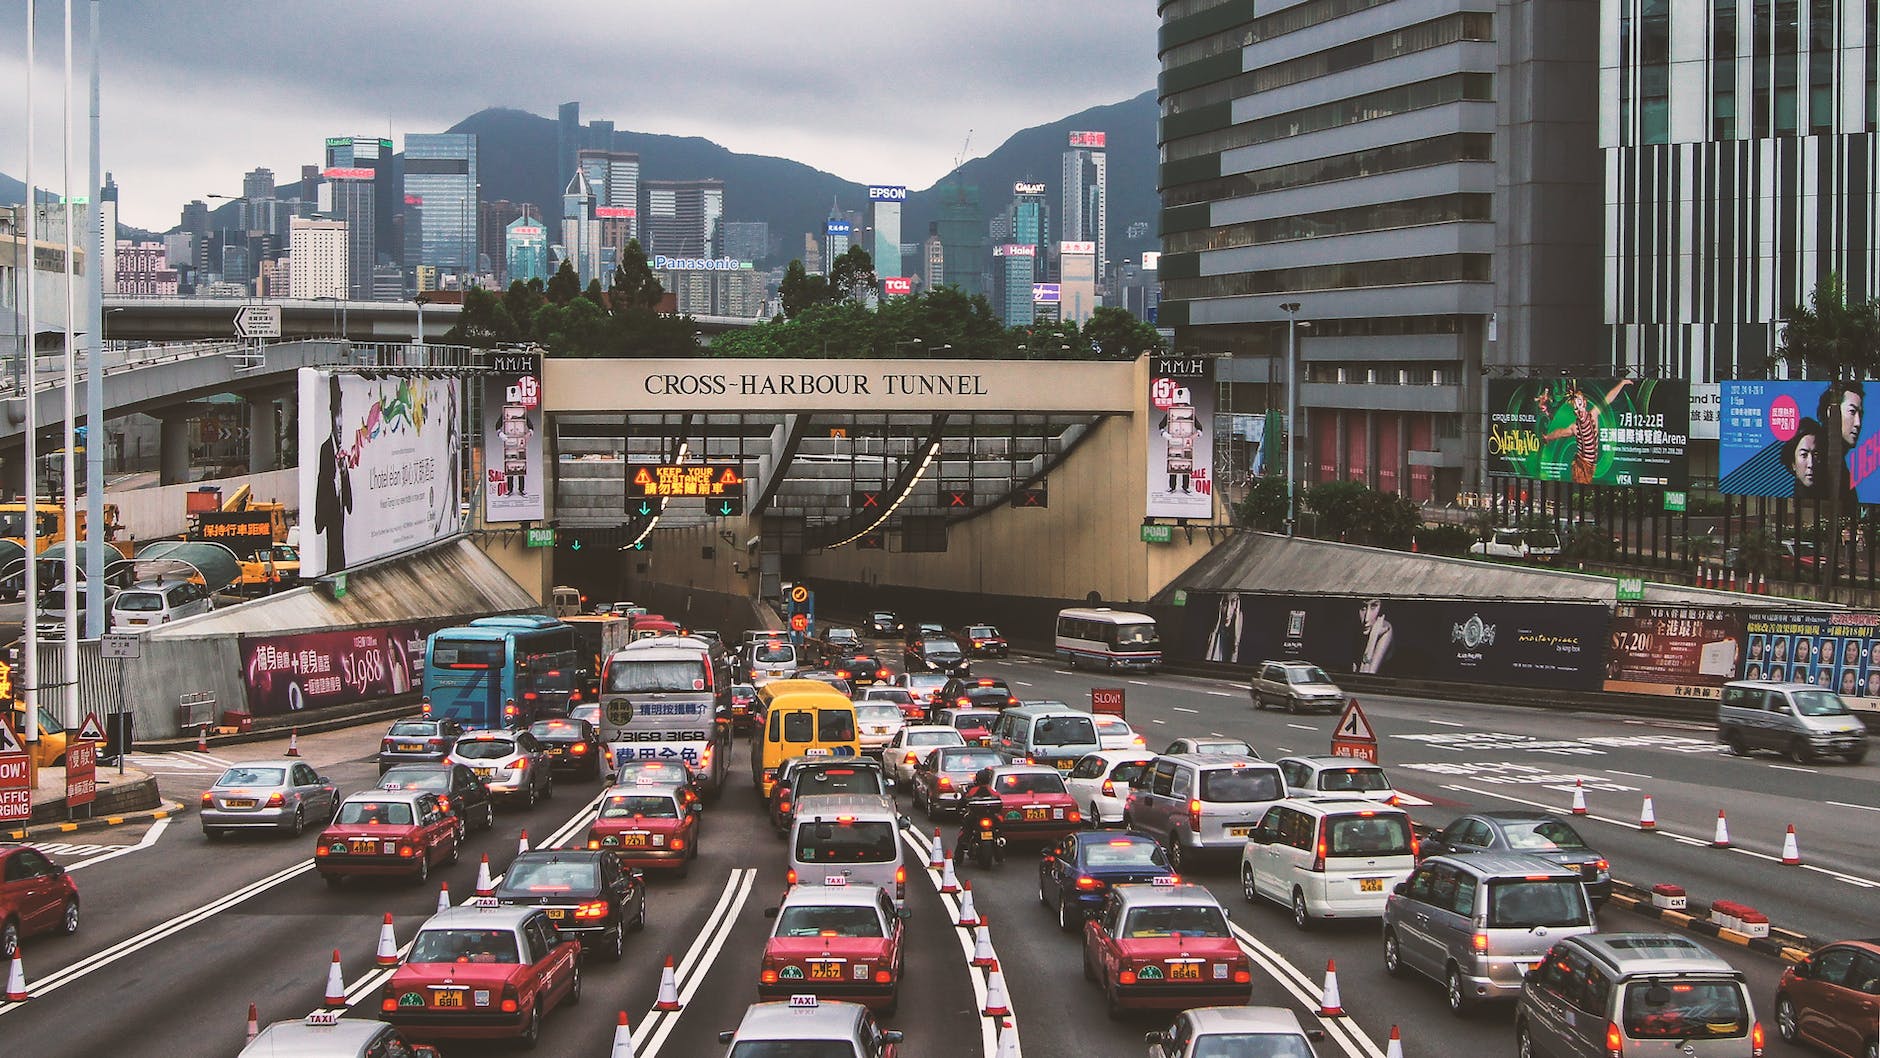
29 685
1291 309
94 375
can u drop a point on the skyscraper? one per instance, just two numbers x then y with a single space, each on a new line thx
350 196
580 236
614 178
373 153
320 258
258 184
837 232
441 172
493 230
526 250
1087 193
963 236
887 224
683 217
933 257
567 142
747 240
1020 267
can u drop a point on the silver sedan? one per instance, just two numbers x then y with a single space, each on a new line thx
268 795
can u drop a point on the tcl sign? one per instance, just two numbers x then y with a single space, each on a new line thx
893 285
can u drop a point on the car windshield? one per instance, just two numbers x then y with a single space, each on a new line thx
464 945
970 761
140 601
939 647
556 729
793 1049
375 814
1125 773
1685 1010
933 738
883 615
1124 852
1189 920
1524 903
1309 674
838 921
1808 703
1241 784
485 748
1251 1045
838 780
552 876
1545 835
1134 635
983 632
1064 731
925 681
850 841
653 771
590 711
773 653
878 714
1367 835
1112 725
977 719
435 779
646 676
252 777
647 806
897 695
1221 748
1028 782
982 695
1342 780
414 727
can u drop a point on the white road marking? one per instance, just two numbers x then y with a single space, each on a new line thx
1445 723
1627 774
1158 721
150 838
1791 767
657 1024
1412 800
1184 709
1219 694
1021 683
1351 1039
988 1030
1139 683
1302 727
1844 804
1283 749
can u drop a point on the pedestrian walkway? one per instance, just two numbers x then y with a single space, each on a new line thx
178 761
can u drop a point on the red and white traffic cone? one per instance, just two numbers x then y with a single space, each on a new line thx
935 856
293 742
16 979
1579 797
1647 819
335 983
485 887
998 1004
949 882
1008 1040
623 1039
1730 580
1722 840
443 896
388 943
968 913
668 988
1791 853
1330 1006
982 945
202 739
522 843
254 1023
1395 1050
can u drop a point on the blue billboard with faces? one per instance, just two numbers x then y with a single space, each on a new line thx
1778 439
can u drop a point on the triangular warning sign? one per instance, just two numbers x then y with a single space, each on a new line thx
1353 725
643 478
730 477
10 742
90 730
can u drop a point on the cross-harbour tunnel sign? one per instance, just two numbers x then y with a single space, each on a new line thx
708 384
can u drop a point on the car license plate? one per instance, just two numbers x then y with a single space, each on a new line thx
1033 815
410 747
1240 831
1370 885
554 751
1184 971
484 773
364 846
239 802
558 913
633 841
447 997
825 971
1064 765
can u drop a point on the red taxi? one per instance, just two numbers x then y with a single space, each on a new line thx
837 941
400 832
1164 946
650 827
1037 805
36 896
487 972
974 725
644 772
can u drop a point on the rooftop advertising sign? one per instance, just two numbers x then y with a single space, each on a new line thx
897 285
615 212
697 264
1026 187
1015 249
1088 139
1044 293
350 174
1083 247
887 194
839 227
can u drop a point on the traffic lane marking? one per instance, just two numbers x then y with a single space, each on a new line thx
151 837
656 1025
1219 694
1302 727
1444 723
988 1030
1844 804
1349 1037
1791 767
1184 709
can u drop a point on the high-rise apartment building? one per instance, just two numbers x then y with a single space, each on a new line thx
1078 269
143 268
372 153
525 251
1419 178
351 196
962 230
321 258
1022 254
614 177
886 203
684 217
933 256
1086 190
747 240
745 291
812 254
441 172
258 184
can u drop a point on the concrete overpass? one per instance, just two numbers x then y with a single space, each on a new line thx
193 319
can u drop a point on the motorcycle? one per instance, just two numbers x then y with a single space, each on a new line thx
982 831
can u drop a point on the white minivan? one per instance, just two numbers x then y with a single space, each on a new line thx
1328 857
853 836
158 603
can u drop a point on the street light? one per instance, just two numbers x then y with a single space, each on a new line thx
421 301
906 341
1291 309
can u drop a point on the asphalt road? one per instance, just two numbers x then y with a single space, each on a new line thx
180 935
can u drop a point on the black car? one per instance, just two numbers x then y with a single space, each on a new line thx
938 654
1077 872
828 676
417 740
1530 834
572 745
861 668
469 798
587 894
835 643
923 630
744 705
882 623
983 641
957 687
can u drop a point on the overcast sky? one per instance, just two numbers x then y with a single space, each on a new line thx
196 92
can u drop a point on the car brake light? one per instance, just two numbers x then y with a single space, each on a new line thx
406 851
783 806
579 748
1074 816
1755 1039
319 851
678 844
900 875
276 800
768 977
1194 816
424 706
387 743
434 741
883 977
591 909
388 1002
509 707
1601 865
528 696
1127 977
594 843
790 878
908 758
1109 788
207 799
1416 845
510 1004
1615 1041
945 783
1087 883
1479 942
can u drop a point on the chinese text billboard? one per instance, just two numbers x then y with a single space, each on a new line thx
1590 431
1774 439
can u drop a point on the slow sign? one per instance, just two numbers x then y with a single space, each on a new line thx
16 781
1106 701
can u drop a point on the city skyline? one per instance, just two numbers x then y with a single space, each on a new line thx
166 134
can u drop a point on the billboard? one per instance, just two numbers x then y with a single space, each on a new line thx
887 194
1089 139
515 485
1015 249
1706 409
350 174
1836 650
838 227
294 673
1028 187
1533 644
380 467
1773 440
1044 293
615 212
1151 260
1590 431
1181 442
243 532
897 285
1084 247
1676 651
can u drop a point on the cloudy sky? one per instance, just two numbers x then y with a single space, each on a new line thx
196 92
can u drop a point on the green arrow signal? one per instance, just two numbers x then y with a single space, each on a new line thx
645 508
639 545
725 507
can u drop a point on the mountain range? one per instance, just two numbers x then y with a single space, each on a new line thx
516 161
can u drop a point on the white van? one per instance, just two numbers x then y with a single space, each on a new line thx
769 659
1328 857
154 604
853 836
1107 639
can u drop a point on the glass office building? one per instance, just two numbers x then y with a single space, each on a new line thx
441 174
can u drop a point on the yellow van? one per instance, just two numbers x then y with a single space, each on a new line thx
801 723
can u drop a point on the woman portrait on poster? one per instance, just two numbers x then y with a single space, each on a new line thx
1377 635
1224 638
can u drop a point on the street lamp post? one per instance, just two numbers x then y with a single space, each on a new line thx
421 301
1291 309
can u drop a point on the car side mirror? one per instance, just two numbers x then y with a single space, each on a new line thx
1805 969
424 1050
324 781
727 1035
771 912
1401 889
1315 1035
905 914
891 1036
1048 856
904 822
1155 1038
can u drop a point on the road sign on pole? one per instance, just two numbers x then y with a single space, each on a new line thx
1354 737
118 645
258 321
81 771
16 779
1106 701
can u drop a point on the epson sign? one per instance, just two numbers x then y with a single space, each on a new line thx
887 194
696 264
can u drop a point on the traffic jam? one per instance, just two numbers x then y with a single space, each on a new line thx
1206 865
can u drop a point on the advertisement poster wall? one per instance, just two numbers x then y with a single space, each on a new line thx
293 673
1181 441
1677 651
1551 645
514 478
1774 440
379 472
1835 650
1590 431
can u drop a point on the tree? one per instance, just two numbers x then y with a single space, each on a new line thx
521 302
484 323
1265 504
634 286
799 290
1353 511
852 275
593 293
1119 335
565 285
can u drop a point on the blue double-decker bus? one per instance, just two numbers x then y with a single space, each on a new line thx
498 672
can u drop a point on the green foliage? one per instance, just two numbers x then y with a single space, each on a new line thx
1832 336
593 293
634 286
1264 506
564 286
1587 543
799 290
1444 539
1760 551
1118 335
1353 511
484 323
852 275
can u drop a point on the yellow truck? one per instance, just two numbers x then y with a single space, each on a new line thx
268 562
49 751
51 519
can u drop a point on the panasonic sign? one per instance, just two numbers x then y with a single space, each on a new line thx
696 264
887 194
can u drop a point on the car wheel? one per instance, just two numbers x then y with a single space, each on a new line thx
424 867
548 787
1873 1049
685 867
211 833
332 880
1456 992
1292 705
639 916
1301 914
1393 955
68 921
1068 921
1113 1004
1090 971
1734 742
1785 1019
574 987
456 848
9 939
300 821
1043 897
1247 888
1096 817
617 944
1523 1044
1177 860
532 1031
529 802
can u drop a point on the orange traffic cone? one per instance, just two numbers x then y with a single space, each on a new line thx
335 983
982 945
968 913
668 988
293 742
1791 853
1329 1004
443 896
1579 797
623 1039
949 882
16 979
254 1023
522 844
1395 1050
998 1004
388 943
202 739
1722 840
935 854
1008 1040
1647 819
485 887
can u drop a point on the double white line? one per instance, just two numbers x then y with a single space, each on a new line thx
1341 1030
988 1027
692 969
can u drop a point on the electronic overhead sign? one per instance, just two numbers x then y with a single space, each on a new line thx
675 481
